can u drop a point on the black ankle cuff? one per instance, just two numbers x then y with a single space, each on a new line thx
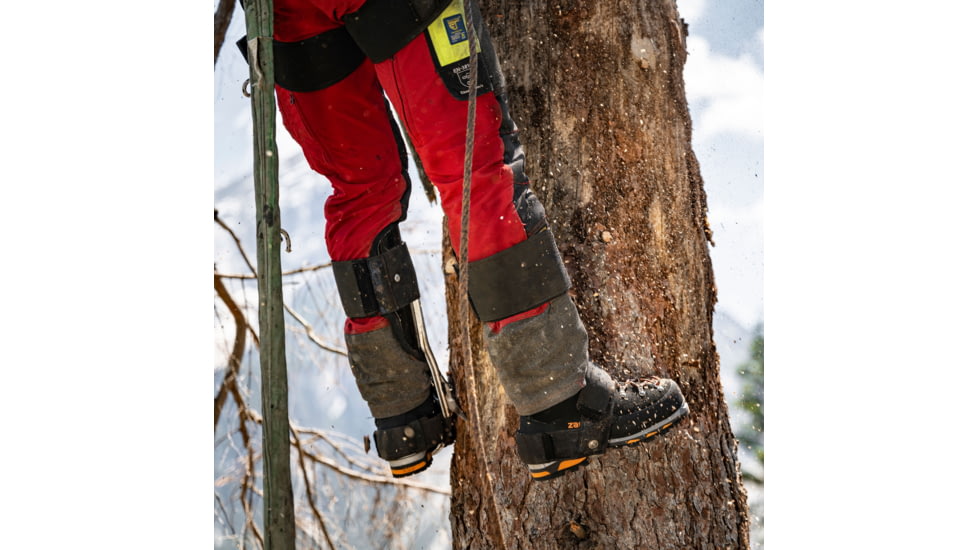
565 411
424 410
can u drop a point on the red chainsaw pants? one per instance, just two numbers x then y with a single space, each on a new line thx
347 135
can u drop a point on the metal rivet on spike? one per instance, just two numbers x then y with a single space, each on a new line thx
409 431
593 444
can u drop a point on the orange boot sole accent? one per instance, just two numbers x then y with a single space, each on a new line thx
413 468
556 469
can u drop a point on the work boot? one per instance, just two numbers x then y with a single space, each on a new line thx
569 408
409 441
603 414
396 384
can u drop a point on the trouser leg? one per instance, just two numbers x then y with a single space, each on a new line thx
540 352
348 134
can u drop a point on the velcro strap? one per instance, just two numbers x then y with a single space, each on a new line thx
589 439
517 279
382 27
378 285
534 448
418 435
317 62
396 442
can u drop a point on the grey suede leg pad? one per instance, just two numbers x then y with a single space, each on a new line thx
541 360
390 380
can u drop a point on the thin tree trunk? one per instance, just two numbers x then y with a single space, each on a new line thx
597 91
279 516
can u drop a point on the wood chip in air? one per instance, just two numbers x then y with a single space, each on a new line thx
578 530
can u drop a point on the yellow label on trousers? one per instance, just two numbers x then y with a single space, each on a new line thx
449 35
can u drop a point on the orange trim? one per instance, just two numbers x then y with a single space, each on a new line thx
570 463
539 474
409 469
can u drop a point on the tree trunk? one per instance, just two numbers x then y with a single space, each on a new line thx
597 91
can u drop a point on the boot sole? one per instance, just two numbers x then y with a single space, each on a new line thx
655 429
413 464
557 468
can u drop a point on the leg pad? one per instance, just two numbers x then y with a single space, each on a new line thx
378 285
517 279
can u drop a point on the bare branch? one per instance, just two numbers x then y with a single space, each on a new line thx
222 20
237 351
224 512
284 273
247 487
326 438
237 241
330 463
305 477
253 415
312 333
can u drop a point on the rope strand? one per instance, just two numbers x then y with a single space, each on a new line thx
463 279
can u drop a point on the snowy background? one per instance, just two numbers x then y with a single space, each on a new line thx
869 147
724 76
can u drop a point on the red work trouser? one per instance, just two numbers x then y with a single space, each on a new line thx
346 134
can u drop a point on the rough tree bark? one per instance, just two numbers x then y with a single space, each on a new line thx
597 90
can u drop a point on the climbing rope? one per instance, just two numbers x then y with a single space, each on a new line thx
463 278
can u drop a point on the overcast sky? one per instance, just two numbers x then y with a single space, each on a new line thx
724 76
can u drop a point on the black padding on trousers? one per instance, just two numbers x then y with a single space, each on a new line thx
378 285
382 27
517 279
317 62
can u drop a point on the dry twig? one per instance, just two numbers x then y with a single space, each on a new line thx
305 477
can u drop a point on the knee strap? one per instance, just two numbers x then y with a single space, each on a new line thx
378 285
517 279
382 27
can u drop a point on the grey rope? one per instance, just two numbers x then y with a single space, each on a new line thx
463 277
